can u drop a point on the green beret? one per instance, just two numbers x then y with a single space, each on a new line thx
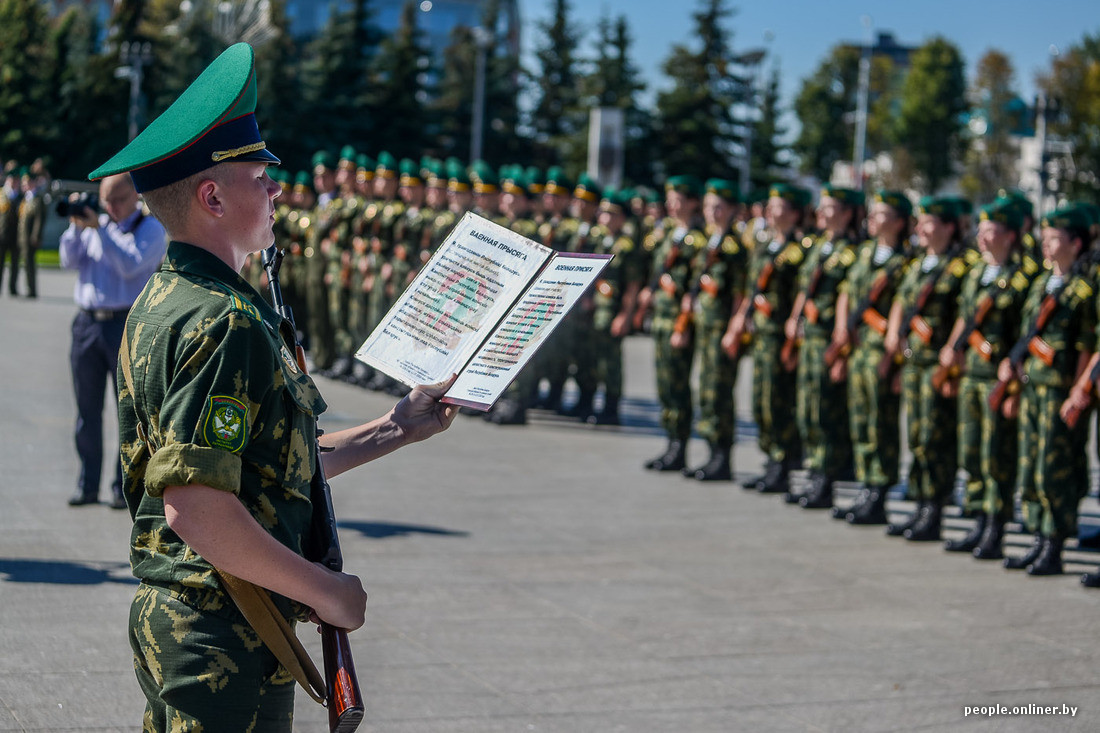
1020 199
794 195
897 201
587 189
1004 211
211 122
302 180
849 196
536 180
1070 216
410 172
686 184
725 190
964 205
557 183
945 208
323 159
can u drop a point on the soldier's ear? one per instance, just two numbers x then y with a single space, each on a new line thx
208 194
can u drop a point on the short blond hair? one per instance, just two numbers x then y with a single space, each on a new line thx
170 204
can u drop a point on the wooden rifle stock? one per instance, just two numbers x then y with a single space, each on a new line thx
1083 384
343 697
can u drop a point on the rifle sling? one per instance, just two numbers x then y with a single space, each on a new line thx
254 602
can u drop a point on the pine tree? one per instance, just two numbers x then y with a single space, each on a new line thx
279 111
502 141
991 160
929 124
697 128
768 149
558 119
337 84
24 83
453 105
1073 98
400 72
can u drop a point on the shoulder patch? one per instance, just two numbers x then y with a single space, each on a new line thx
1082 289
623 244
240 305
226 426
793 253
848 257
730 246
1020 281
958 267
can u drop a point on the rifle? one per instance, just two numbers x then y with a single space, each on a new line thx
1024 346
343 699
970 336
754 303
704 283
1084 384
660 279
791 344
912 321
864 312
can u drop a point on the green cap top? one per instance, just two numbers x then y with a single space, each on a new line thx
1070 216
849 196
302 180
323 159
213 121
686 184
587 189
347 154
410 172
897 201
536 180
617 202
724 189
964 205
794 195
514 182
484 178
1004 211
945 208
557 182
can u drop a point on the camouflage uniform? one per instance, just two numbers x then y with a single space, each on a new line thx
32 215
9 213
987 439
718 273
622 273
822 404
931 418
1053 456
218 395
325 217
773 387
872 406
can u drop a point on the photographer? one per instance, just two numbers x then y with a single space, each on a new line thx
114 254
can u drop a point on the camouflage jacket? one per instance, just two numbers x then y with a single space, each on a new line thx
785 255
820 278
946 279
719 271
217 400
1070 331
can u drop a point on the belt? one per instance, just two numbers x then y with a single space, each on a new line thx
106 314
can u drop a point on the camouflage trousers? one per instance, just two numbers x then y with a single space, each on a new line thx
607 362
773 400
673 368
932 428
1053 469
339 307
717 374
317 311
822 411
571 344
873 416
987 450
203 673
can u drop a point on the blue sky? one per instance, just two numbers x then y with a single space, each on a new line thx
804 31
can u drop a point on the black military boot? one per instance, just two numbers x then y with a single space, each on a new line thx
717 468
1032 554
989 547
927 526
1091 580
1049 561
898 529
820 493
671 460
871 512
862 498
972 538
753 483
776 478
609 415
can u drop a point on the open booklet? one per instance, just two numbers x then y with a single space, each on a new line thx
480 308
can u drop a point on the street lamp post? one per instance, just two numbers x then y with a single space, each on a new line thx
752 59
861 106
136 56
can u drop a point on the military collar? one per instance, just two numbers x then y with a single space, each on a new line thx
191 260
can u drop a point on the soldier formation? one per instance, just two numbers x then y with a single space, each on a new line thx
22 219
986 330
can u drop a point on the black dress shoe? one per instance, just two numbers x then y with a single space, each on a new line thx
1049 561
671 460
927 526
1021 562
989 548
899 529
972 538
716 469
873 511
82 499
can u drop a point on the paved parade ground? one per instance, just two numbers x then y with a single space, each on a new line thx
537 579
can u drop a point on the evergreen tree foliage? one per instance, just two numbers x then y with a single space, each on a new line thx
279 109
400 72
558 119
991 159
768 151
930 116
502 142
1073 92
24 79
697 129
452 107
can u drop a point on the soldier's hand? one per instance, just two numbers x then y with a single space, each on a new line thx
620 325
420 414
1005 372
790 328
1010 408
838 372
679 340
345 604
947 357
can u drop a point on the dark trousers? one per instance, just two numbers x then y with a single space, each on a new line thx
94 359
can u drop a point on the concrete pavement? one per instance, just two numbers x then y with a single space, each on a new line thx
536 579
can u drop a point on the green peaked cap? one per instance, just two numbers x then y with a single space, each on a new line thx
213 121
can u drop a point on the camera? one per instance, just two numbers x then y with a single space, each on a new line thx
76 207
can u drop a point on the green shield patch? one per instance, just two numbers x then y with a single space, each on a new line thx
226 425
